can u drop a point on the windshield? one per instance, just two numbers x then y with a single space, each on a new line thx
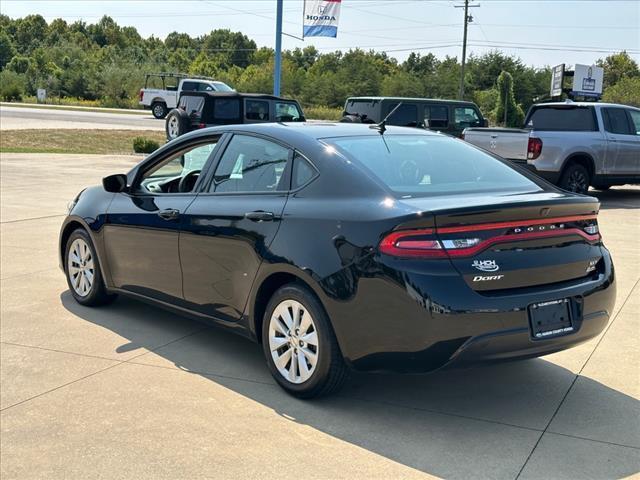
421 165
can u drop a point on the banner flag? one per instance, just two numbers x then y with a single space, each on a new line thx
321 18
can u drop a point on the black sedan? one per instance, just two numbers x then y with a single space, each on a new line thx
342 246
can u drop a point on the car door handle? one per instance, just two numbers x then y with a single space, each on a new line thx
169 214
259 216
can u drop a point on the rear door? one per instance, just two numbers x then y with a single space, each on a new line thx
623 141
228 228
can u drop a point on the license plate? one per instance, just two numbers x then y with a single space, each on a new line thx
550 319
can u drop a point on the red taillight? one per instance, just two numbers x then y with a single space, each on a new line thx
470 240
141 94
534 148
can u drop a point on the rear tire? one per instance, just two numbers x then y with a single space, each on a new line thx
576 179
159 110
299 344
83 272
177 123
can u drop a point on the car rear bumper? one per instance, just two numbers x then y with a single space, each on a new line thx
454 326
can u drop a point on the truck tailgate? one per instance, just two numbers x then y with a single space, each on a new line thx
509 143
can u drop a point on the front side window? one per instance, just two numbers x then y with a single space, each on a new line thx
288 112
436 116
405 116
250 164
179 172
421 165
465 117
635 118
205 87
257 110
616 121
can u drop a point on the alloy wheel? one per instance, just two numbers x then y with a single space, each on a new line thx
80 267
173 127
158 110
578 182
293 341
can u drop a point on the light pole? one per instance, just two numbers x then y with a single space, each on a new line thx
278 57
467 19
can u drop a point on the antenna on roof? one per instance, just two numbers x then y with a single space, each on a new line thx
382 126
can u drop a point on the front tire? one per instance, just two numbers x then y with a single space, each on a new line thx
299 344
576 179
159 110
83 272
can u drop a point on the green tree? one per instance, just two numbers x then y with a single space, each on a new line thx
616 67
19 64
626 91
506 99
12 85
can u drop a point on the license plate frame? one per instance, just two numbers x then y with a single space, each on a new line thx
550 319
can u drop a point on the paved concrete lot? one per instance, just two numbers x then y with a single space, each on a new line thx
20 118
131 391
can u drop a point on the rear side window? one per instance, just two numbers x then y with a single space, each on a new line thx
257 110
569 119
250 164
616 121
437 116
226 109
421 165
189 86
303 171
405 116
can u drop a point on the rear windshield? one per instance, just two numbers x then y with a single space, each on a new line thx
421 165
572 119
366 109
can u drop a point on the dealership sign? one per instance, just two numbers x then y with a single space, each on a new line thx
557 74
321 18
587 80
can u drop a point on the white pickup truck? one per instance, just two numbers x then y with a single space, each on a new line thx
168 87
572 144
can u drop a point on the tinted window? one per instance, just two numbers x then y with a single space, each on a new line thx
466 117
303 172
205 87
571 119
226 109
192 105
189 86
616 121
437 116
635 118
405 116
421 165
257 110
250 164
367 109
287 112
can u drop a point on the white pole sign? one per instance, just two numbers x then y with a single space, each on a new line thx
587 80
321 18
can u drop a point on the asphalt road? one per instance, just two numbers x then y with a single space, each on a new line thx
20 118
133 392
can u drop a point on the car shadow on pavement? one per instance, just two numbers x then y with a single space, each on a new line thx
618 198
474 423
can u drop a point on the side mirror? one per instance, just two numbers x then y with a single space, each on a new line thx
485 123
115 183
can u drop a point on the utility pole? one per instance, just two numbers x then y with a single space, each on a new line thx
278 59
467 19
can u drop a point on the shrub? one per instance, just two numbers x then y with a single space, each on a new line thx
322 113
144 145
12 85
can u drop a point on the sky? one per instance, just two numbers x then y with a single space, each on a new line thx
540 32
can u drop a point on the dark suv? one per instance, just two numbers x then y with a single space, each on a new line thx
206 109
448 116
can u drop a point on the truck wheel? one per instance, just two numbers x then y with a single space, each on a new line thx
575 179
159 110
177 123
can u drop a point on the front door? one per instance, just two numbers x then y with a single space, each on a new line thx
228 229
142 228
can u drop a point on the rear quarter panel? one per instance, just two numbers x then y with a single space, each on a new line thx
558 147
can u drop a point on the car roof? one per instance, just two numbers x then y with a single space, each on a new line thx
413 99
582 104
265 96
304 131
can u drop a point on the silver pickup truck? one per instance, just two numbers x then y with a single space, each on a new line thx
572 144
